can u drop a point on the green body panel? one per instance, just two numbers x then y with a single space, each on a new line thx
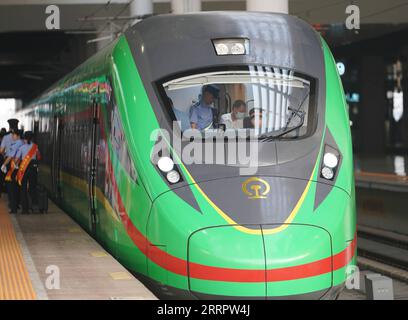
170 224
337 120
229 289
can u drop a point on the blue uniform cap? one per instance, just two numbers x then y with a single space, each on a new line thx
13 123
211 89
28 135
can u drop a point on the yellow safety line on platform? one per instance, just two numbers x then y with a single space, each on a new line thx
15 283
120 275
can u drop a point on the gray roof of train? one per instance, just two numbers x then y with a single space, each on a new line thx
168 44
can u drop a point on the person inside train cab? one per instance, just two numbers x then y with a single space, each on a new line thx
202 113
181 116
9 168
26 159
234 119
254 120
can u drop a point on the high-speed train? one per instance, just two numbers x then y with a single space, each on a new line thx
208 229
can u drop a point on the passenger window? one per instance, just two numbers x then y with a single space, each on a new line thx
118 141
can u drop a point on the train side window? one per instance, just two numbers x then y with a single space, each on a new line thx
117 138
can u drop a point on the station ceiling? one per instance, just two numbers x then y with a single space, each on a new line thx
32 61
20 15
32 58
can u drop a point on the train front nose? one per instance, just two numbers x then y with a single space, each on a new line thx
257 237
264 239
229 262
225 263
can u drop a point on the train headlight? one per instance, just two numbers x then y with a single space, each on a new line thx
330 160
237 46
173 176
327 173
168 169
222 49
330 163
165 164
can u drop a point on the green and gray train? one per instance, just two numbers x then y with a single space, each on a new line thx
208 229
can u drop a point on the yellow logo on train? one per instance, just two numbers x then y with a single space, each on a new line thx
255 188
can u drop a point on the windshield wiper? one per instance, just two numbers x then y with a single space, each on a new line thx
276 136
295 112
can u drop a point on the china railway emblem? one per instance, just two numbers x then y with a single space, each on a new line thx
255 188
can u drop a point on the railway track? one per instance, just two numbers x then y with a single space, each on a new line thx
384 251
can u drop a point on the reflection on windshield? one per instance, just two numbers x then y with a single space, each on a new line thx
268 100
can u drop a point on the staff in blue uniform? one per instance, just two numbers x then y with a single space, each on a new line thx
6 142
7 139
203 113
26 159
2 134
9 168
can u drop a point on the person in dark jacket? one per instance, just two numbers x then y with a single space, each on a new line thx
26 159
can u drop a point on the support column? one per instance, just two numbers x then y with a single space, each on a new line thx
405 95
183 6
141 7
281 6
373 105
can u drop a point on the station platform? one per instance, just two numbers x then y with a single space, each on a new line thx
386 172
48 256
381 183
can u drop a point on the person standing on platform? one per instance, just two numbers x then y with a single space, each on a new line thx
7 139
9 168
2 134
6 142
26 159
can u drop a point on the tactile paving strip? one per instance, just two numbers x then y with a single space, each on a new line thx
15 283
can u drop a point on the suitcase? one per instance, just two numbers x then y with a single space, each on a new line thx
42 198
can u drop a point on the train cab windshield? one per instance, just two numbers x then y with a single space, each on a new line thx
265 102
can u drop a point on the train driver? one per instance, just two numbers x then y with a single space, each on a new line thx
202 113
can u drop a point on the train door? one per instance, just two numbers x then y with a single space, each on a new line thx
93 165
56 157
